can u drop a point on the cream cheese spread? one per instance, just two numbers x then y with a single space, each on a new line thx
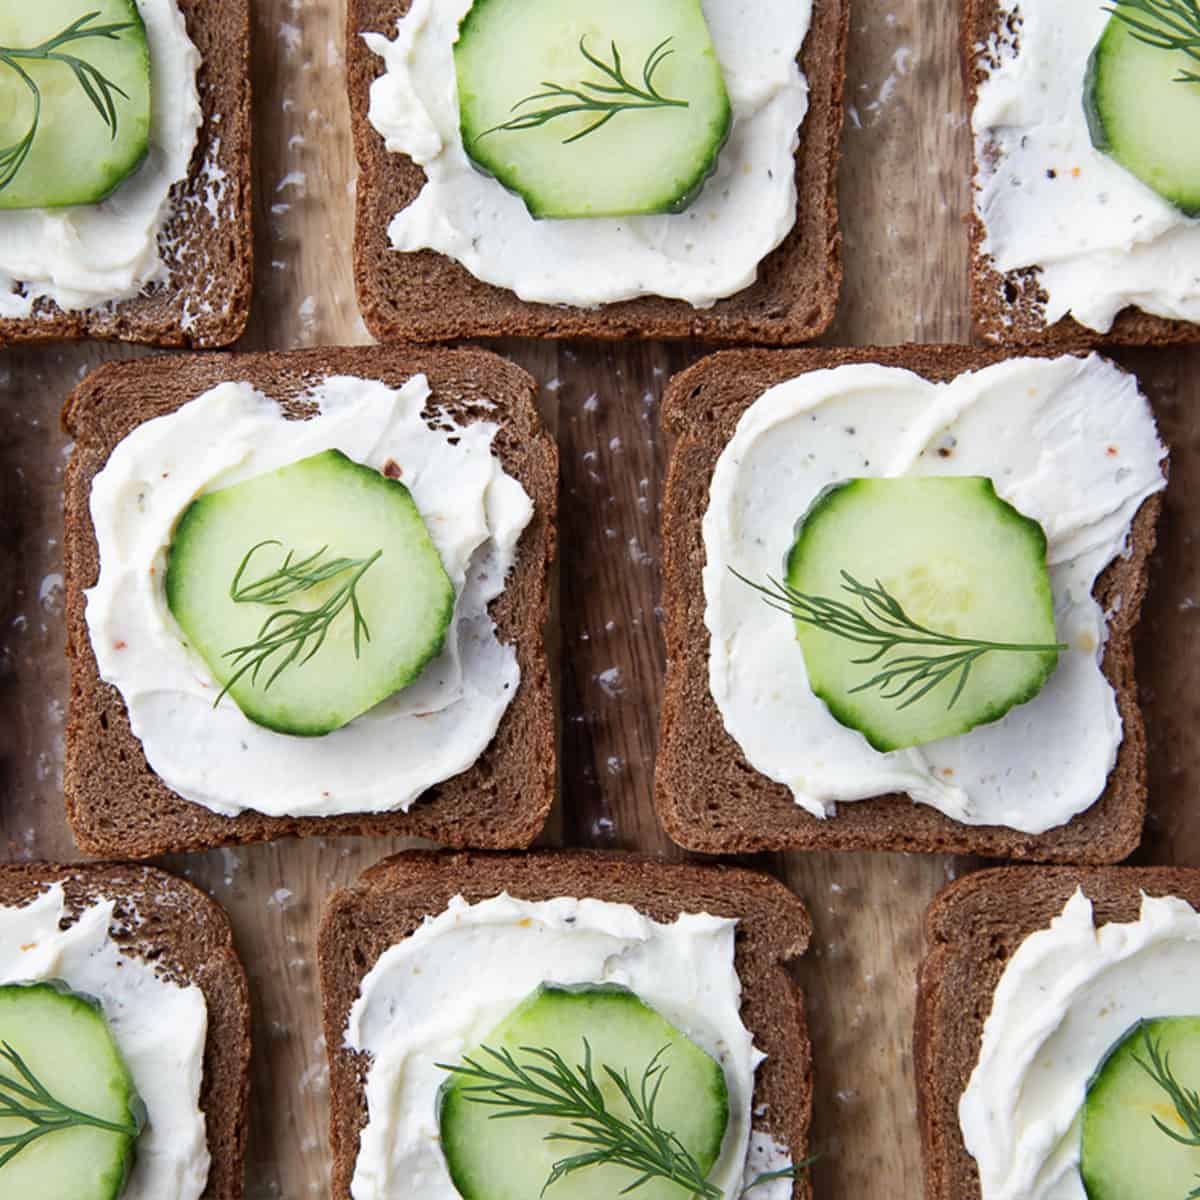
1048 198
1068 995
93 254
159 1027
701 255
1069 442
437 994
433 729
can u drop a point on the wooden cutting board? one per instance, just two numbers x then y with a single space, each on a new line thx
904 188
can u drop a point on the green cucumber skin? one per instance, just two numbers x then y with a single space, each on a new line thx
849 710
487 159
1123 1155
1097 130
113 161
294 711
1102 111
460 1120
105 1159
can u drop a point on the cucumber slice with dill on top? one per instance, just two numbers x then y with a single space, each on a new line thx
70 1115
592 110
313 593
587 1038
1141 1120
1142 96
74 100
922 606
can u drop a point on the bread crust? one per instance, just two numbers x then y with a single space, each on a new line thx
117 806
972 929
1009 309
206 301
187 937
390 901
425 296
708 797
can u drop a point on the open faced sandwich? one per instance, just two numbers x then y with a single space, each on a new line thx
124 170
587 1023
909 572
1058 1036
306 595
124 1038
1087 174
640 168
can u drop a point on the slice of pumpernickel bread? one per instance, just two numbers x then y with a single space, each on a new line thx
972 930
187 937
425 296
708 796
391 900
207 241
1009 309
117 805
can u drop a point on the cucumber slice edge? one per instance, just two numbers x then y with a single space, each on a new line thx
94 1161
1113 1098
134 126
1115 41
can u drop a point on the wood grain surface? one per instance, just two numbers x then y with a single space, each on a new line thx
903 193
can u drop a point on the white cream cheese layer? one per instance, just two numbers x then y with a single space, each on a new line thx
1048 198
437 994
90 255
1069 994
1069 442
159 1027
710 251
426 733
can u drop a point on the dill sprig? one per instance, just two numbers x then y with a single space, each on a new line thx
1157 1065
606 99
882 623
296 634
1165 25
98 88
546 1086
23 1097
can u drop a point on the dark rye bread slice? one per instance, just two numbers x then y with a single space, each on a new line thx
187 937
972 930
708 797
392 899
207 241
1009 309
117 805
425 296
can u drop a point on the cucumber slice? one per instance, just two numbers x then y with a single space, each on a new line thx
62 1039
510 1159
961 562
75 157
1125 1155
328 504
1138 110
652 158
